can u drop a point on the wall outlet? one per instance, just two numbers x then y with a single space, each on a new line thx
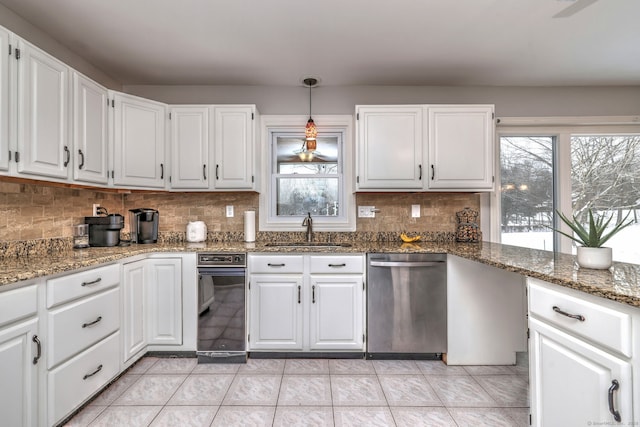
366 211
95 209
415 211
230 211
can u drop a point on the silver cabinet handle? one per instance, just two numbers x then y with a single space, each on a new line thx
275 265
337 265
217 169
68 153
615 385
313 294
558 310
404 264
81 165
204 172
420 169
161 170
433 172
38 348
93 282
98 369
84 325
299 290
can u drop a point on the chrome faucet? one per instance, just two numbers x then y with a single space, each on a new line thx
308 222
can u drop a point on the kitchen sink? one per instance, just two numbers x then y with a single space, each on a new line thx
308 245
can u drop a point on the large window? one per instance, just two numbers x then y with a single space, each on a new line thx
572 169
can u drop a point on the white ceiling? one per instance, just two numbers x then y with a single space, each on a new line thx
349 42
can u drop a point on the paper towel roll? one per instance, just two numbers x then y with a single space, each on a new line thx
250 226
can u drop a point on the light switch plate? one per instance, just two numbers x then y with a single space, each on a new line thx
229 211
415 211
366 212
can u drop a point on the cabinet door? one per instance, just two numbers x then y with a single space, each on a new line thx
43 114
4 99
190 140
570 380
336 313
134 335
275 312
138 142
461 147
90 142
234 140
19 375
389 146
164 296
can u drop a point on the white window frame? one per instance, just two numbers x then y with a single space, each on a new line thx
562 128
343 124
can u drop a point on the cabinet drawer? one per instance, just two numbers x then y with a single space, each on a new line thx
77 325
76 380
339 264
18 304
78 285
597 322
276 264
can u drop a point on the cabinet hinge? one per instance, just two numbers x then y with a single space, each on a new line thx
17 53
17 157
113 103
529 419
9 155
528 334
253 179
251 116
169 116
493 115
113 174
493 179
357 116
249 337
358 179
249 285
10 49
169 179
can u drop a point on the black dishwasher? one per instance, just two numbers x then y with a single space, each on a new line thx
406 306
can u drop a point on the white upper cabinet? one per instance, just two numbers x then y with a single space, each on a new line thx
461 147
139 141
234 147
43 113
390 147
395 141
90 124
190 145
4 100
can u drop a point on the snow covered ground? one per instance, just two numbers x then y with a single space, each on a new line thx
625 244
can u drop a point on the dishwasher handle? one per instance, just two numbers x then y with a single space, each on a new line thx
405 263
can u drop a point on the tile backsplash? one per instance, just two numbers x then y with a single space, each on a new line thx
40 211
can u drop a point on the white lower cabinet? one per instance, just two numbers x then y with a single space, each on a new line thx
306 302
20 351
579 372
164 296
134 335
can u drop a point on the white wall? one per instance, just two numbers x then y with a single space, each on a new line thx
509 101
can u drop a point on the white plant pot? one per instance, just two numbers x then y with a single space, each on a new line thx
597 258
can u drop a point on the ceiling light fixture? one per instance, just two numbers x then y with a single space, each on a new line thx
310 130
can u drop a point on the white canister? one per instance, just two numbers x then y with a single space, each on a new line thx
196 231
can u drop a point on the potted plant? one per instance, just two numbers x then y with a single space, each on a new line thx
592 254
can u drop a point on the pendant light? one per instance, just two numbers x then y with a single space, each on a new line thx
310 130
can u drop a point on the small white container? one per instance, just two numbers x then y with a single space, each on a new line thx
250 226
196 231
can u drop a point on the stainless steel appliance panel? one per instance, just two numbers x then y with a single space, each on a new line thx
406 304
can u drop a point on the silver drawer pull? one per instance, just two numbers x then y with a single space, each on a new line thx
84 325
36 340
337 265
98 369
275 265
93 282
579 317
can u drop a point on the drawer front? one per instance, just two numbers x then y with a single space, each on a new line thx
81 284
340 264
76 380
596 322
276 264
78 325
18 304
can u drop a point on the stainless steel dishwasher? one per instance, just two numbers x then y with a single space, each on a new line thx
406 306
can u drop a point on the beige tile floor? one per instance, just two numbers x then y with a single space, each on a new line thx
311 392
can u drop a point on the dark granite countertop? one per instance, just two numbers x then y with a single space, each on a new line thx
620 283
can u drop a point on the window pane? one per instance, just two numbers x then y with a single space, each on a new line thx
297 196
526 168
605 177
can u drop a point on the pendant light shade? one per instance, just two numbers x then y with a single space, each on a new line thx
310 131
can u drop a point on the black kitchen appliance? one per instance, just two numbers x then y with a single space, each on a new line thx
104 230
143 225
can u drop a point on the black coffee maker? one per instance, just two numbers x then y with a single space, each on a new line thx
143 225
